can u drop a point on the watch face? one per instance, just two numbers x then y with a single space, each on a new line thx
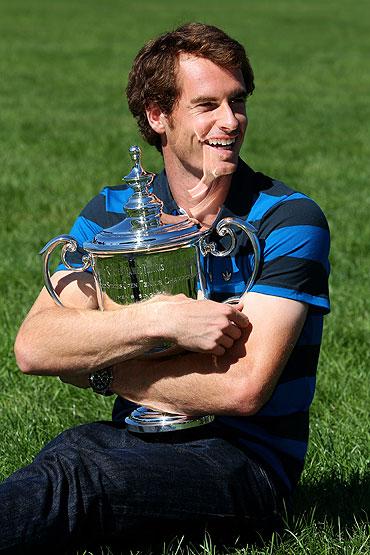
100 381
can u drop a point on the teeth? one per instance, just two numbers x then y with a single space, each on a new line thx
221 142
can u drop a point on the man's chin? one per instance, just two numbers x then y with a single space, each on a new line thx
225 168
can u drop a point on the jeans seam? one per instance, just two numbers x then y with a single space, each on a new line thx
272 490
176 513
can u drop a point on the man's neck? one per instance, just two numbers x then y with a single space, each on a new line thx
200 200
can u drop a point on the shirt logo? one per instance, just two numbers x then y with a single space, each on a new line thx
226 276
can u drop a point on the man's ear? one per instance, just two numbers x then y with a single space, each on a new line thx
156 119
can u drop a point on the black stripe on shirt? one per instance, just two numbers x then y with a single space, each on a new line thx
302 363
292 466
291 426
245 187
271 186
296 212
300 274
96 212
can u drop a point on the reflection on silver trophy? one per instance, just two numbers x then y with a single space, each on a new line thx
141 257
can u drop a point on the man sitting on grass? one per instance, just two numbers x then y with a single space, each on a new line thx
252 365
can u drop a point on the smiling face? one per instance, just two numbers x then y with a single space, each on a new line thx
204 133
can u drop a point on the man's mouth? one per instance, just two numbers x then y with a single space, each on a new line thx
221 143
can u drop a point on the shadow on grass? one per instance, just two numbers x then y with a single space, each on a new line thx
342 503
151 538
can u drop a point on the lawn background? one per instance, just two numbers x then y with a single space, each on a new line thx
64 133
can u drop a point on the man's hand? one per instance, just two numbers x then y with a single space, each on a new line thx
199 326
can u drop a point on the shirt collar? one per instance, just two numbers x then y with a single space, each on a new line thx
237 203
162 190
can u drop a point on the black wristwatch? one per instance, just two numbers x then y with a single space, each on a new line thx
101 381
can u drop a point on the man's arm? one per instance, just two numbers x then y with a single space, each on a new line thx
79 339
238 383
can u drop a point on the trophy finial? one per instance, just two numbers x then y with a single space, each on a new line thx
135 153
142 208
138 178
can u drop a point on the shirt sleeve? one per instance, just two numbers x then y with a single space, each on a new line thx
84 229
103 211
295 243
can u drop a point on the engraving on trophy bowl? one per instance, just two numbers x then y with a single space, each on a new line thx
126 279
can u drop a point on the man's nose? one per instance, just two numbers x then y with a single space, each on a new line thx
227 120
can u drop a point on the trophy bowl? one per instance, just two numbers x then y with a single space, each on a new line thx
141 257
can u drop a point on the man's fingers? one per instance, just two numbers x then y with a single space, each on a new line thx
235 303
239 318
226 341
233 331
218 351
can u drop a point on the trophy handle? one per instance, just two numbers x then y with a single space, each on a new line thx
224 227
69 245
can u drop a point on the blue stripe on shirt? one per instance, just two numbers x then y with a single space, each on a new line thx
290 397
82 230
292 447
115 199
301 241
266 202
320 302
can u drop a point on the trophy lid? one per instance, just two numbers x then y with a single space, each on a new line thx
142 229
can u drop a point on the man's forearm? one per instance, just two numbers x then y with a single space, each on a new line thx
62 341
191 383
237 383
73 341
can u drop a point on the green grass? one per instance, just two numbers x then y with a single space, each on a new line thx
64 132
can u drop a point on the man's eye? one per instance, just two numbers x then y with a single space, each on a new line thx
207 105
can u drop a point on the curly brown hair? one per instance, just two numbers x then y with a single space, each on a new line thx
152 79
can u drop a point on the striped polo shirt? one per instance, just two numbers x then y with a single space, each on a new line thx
294 239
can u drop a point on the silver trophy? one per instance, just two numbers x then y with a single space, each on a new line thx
140 257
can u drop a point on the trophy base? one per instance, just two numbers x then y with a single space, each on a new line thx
143 420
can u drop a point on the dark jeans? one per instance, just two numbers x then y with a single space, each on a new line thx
100 483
